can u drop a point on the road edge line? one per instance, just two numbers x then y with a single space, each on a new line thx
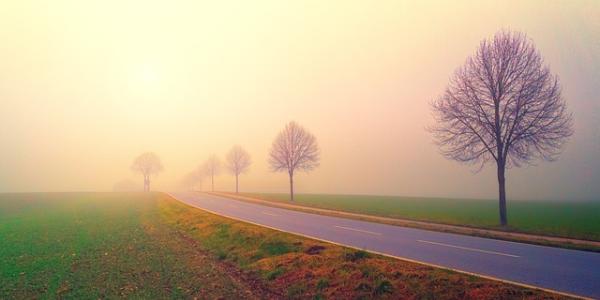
430 226
390 255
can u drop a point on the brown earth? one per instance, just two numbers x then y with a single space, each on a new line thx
269 264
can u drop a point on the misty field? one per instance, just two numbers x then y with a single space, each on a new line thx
97 246
556 218
150 246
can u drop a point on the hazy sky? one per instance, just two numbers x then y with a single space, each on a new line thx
85 86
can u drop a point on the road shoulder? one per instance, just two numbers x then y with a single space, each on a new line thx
568 243
305 267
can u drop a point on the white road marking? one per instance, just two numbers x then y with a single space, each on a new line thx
358 230
232 205
270 214
468 249
531 286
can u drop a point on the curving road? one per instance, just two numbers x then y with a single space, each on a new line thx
569 271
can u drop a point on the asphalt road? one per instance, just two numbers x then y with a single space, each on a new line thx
569 271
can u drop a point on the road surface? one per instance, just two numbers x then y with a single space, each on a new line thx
569 271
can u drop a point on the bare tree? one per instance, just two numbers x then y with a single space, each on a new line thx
192 180
212 168
238 162
504 106
294 149
147 164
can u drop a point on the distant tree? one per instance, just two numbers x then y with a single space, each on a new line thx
192 180
147 164
294 149
503 105
238 162
212 168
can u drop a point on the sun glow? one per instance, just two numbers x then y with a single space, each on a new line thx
187 79
149 76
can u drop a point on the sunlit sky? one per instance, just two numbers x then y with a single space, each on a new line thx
86 86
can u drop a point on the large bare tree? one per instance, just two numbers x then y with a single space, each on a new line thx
147 164
294 149
503 106
212 168
238 162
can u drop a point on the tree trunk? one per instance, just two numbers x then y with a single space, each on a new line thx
502 193
146 183
236 184
291 186
212 182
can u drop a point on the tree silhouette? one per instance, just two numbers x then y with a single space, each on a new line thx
192 180
294 149
503 105
238 162
147 164
212 168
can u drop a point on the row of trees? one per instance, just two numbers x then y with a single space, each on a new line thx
294 149
503 106
238 162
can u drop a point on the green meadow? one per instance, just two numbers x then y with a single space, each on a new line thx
99 245
150 246
574 219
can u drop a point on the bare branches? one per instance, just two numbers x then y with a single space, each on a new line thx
147 164
212 168
238 160
294 149
502 105
192 180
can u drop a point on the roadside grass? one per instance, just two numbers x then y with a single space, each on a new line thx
571 219
150 246
296 267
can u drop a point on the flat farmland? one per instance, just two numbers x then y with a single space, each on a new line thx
572 219
149 245
97 246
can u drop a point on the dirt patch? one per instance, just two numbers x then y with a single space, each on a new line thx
250 282
213 278
272 265
314 250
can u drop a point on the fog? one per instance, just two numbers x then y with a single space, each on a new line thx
86 86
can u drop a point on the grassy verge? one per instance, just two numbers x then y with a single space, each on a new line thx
152 246
577 220
508 233
295 267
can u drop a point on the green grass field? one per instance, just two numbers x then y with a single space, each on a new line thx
150 246
96 246
567 219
